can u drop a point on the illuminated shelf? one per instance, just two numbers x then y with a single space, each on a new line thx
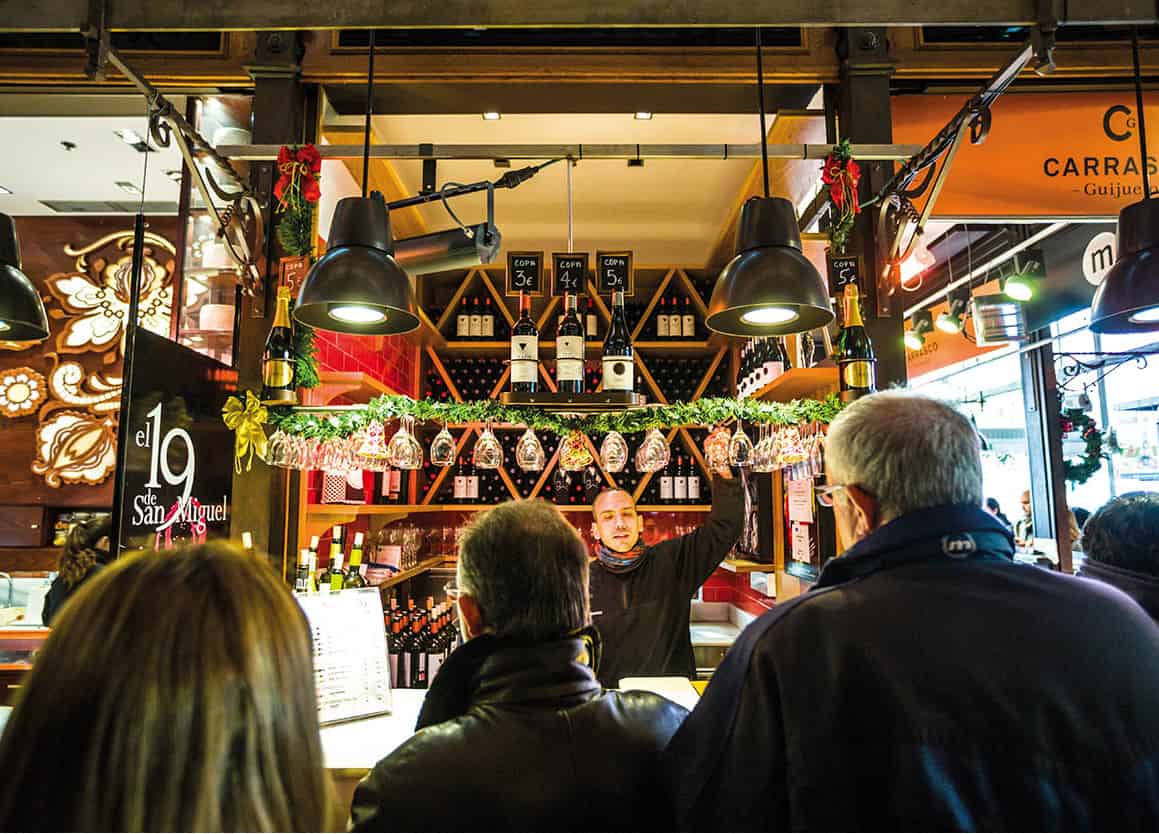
800 384
399 509
411 573
746 566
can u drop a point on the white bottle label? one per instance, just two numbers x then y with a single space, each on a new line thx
569 369
592 325
476 325
662 325
523 371
472 486
460 486
674 326
772 371
525 347
488 325
693 487
619 373
665 487
569 347
463 325
680 488
395 480
688 325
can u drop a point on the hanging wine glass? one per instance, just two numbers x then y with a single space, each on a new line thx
305 453
574 454
716 448
653 454
488 453
763 454
614 452
560 483
405 451
372 452
592 483
529 453
443 448
279 449
740 448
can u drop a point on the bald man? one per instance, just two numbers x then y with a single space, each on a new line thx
641 596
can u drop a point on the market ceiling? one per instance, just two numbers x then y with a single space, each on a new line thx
160 15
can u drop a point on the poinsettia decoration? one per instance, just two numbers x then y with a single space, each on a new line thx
841 175
297 190
298 170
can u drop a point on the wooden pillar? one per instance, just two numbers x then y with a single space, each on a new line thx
863 115
279 117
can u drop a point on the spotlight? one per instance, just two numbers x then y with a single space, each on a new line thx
923 323
492 115
643 116
1018 288
951 322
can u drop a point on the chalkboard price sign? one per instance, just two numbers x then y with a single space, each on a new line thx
569 273
525 273
615 273
843 269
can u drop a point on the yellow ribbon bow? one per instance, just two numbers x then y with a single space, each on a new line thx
246 421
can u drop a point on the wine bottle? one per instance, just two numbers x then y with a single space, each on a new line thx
476 319
674 323
680 482
619 367
302 577
776 360
488 319
335 577
693 483
783 353
313 564
855 357
472 482
569 350
591 322
688 320
662 319
460 483
394 642
525 350
354 571
463 320
666 484
278 358
418 658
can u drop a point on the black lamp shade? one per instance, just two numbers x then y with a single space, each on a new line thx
22 317
769 281
357 286
1127 300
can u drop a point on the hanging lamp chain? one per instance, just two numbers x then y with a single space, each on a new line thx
1142 117
369 113
570 239
761 103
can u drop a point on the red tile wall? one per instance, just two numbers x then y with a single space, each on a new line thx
734 588
390 359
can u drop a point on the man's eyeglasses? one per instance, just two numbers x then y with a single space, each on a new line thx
825 494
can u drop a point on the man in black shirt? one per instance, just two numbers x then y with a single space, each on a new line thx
641 595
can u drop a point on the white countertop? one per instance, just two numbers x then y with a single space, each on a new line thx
358 745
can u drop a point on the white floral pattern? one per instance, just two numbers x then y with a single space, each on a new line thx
75 448
22 390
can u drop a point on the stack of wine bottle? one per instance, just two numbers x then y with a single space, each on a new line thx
309 580
477 319
678 379
474 378
674 319
680 482
419 640
761 361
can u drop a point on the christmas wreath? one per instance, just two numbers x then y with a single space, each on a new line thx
841 174
1080 471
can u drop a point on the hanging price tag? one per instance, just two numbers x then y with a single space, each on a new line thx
525 273
843 269
569 273
614 273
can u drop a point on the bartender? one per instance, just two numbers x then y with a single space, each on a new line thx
640 596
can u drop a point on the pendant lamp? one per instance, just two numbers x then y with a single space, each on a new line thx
358 286
22 317
1127 300
770 288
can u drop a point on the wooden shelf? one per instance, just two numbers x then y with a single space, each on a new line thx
800 384
501 347
14 559
411 573
403 509
747 566
678 347
360 387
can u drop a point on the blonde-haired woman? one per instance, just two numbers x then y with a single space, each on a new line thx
175 693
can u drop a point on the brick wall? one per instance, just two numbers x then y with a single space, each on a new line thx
734 588
390 359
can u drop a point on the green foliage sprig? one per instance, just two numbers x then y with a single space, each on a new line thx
1080 471
702 412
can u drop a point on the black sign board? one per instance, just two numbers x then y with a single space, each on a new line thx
1066 271
525 273
569 273
844 269
615 273
176 466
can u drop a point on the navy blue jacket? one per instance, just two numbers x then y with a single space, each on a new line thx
929 682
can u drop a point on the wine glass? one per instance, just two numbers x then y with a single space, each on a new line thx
529 454
488 452
443 448
614 452
279 449
405 450
372 452
653 454
740 448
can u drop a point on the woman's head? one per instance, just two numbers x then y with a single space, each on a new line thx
176 692
87 545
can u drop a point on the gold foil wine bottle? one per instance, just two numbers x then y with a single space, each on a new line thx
855 359
278 359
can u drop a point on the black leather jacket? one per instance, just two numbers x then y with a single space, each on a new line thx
520 738
928 682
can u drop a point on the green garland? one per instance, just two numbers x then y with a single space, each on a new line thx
1080 471
702 412
295 234
305 357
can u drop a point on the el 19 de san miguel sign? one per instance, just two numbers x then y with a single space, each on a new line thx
1047 155
176 467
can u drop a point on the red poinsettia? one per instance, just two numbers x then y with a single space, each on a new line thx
841 175
298 170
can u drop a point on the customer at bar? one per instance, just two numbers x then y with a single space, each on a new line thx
927 681
516 733
641 596
1121 541
85 552
175 693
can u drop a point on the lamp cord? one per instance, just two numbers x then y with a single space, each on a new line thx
1142 119
369 113
761 102
570 240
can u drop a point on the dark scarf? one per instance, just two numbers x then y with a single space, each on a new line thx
620 562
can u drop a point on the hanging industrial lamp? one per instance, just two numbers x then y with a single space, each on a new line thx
358 286
770 288
1127 300
22 317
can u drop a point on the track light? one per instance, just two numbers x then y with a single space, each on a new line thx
643 116
923 323
492 115
22 317
1018 288
951 322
